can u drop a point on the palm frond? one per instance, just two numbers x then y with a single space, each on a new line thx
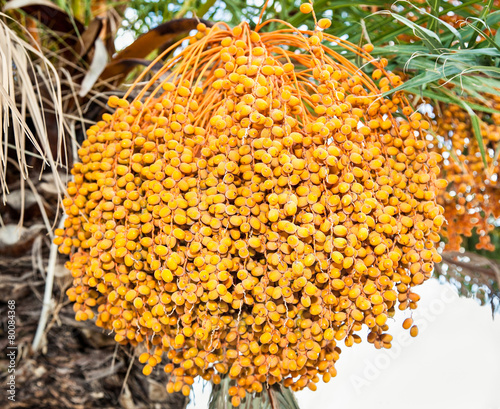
29 86
473 275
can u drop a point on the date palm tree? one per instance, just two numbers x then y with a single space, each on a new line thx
62 65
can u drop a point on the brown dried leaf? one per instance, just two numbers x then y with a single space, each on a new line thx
147 43
473 275
87 40
96 67
48 14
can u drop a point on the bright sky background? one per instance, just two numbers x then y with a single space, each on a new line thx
454 363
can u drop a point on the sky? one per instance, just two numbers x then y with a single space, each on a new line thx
454 362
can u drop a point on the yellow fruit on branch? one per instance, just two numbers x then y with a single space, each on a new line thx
256 204
472 198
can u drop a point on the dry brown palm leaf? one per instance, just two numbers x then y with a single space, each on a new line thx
146 44
48 14
89 36
23 104
99 62
473 275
